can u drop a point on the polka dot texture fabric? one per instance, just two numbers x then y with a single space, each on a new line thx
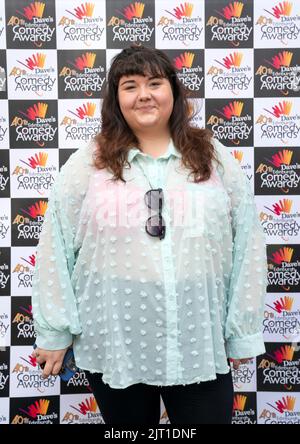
141 309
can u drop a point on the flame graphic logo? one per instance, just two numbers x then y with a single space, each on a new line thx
283 206
282 9
283 157
234 9
234 59
85 10
234 108
35 61
86 60
39 159
86 110
285 353
37 110
238 155
38 408
282 304
239 402
35 9
282 109
286 404
89 405
184 60
283 58
184 10
283 255
38 209
135 9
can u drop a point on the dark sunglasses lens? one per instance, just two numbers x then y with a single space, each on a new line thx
152 198
155 226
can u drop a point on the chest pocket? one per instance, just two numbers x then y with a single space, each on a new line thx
210 214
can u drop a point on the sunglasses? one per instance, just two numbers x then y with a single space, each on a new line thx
155 225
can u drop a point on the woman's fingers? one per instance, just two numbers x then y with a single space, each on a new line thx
56 368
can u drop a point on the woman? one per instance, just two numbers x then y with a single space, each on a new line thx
151 260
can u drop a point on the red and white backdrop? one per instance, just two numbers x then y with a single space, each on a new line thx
240 61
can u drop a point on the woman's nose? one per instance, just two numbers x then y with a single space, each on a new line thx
144 93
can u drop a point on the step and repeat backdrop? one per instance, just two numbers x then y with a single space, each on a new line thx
240 62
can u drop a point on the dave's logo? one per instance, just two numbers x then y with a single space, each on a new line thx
37 412
285 353
85 411
34 211
133 23
81 76
190 72
81 123
228 26
31 24
231 122
35 78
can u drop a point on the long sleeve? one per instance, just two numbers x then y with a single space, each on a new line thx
54 306
248 279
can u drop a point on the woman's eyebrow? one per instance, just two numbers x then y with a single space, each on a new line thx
133 81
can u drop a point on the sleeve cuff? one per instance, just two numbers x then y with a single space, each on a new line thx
247 347
52 340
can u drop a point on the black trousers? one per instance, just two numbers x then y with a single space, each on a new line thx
209 402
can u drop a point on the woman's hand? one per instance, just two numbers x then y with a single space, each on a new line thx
53 360
237 362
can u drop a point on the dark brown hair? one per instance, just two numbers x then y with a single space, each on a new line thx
116 137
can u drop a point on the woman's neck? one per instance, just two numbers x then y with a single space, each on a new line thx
154 145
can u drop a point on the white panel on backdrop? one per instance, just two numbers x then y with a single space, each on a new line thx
228 73
5 228
282 318
26 375
244 378
2 33
280 218
278 408
32 74
79 409
80 25
4 133
79 121
22 267
4 410
276 121
198 106
276 24
179 25
33 172
5 315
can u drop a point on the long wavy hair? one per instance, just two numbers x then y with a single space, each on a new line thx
116 137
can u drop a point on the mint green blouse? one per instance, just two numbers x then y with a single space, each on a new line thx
141 309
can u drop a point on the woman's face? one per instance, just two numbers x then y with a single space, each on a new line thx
145 102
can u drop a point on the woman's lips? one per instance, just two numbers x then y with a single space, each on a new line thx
145 108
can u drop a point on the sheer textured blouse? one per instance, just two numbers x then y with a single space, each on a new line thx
141 309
